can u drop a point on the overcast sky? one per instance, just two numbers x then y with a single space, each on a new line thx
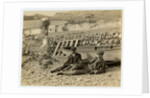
47 13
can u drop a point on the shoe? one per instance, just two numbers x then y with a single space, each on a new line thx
60 73
92 72
53 71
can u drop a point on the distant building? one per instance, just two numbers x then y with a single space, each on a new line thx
32 27
81 26
57 26
35 26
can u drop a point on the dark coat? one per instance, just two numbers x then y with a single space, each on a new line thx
97 63
76 59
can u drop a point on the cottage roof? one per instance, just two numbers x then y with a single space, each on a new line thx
30 24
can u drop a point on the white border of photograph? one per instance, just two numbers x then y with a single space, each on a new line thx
132 42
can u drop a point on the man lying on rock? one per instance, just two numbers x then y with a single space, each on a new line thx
76 66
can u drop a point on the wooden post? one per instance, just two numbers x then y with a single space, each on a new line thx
61 48
71 42
66 44
76 43
56 49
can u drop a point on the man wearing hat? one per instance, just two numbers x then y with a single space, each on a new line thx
98 64
73 60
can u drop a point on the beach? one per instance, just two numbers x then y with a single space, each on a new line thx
33 75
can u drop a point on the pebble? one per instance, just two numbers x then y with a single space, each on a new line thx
40 77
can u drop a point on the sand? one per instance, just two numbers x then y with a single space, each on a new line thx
33 75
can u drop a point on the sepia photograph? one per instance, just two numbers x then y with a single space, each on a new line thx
71 48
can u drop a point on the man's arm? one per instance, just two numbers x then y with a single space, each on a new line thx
68 59
93 60
80 58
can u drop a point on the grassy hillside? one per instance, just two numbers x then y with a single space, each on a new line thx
82 16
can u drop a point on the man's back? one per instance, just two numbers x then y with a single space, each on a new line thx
74 58
96 63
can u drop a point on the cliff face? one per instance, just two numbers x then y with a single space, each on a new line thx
97 25
80 16
89 15
84 19
94 19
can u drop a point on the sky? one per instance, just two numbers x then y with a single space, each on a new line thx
47 13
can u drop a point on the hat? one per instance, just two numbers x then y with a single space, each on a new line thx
100 53
73 48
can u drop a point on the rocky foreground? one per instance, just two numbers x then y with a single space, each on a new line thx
33 75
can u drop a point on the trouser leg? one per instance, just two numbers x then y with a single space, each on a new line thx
78 66
74 72
99 71
60 68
